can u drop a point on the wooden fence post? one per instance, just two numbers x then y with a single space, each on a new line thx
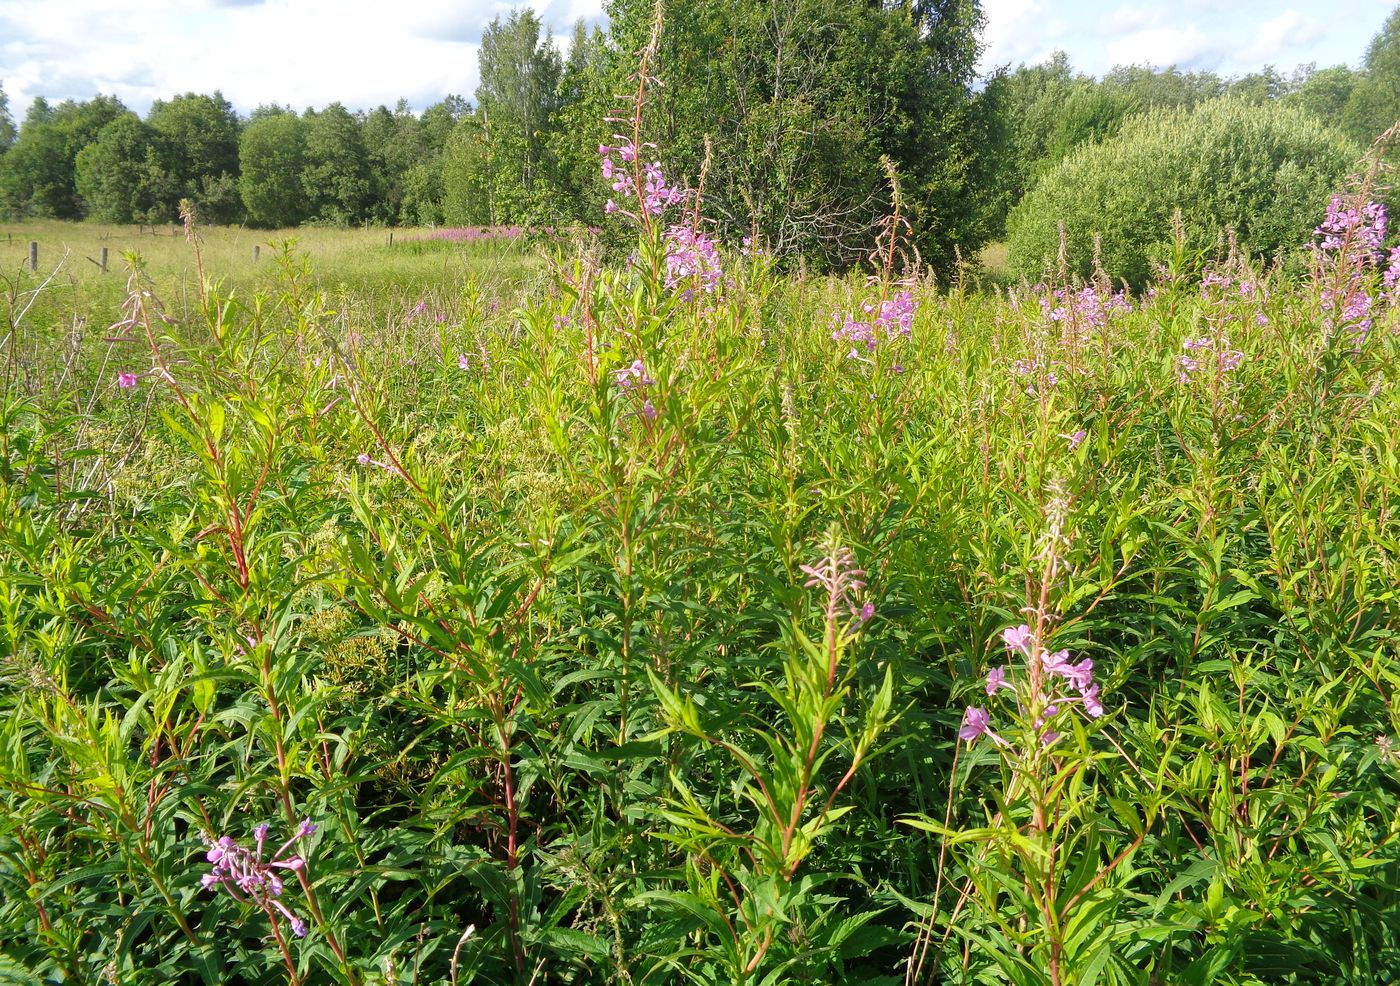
103 265
33 256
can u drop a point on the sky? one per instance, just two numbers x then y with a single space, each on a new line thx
364 53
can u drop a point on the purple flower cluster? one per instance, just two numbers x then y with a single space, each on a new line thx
1219 283
1349 249
1205 352
1230 287
1392 269
635 378
691 258
1344 226
251 876
126 380
1086 307
892 318
1060 685
653 194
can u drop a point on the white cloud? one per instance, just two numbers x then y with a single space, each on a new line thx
1281 37
302 52
1015 33
1126 19
1162 46
367 52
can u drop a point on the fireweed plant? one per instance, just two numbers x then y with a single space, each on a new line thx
615 624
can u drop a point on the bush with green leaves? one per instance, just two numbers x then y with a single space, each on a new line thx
1263 171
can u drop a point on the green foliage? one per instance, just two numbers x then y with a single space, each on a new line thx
476 182
1263 171
570 661
779 98
1048 111
7 123
199 151
1325 92
39 175
1169 88
394 145
272 155
1374 104
335 178
517 100
120 176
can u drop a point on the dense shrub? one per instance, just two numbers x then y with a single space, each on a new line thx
1264 171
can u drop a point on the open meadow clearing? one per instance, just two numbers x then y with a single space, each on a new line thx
630 624
763 498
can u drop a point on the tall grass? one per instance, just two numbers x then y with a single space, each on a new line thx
610 628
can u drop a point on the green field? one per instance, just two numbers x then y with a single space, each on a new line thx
609 629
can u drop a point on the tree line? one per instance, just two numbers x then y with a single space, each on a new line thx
788 106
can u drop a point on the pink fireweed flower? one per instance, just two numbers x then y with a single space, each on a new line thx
1392 269
1077 439
884 321
1055 663
1206 353
974 724
1084 308
126 381
1080 675
996 680
691 258
633 376
654 194
1018 639
464 362
1364 227
1064 684
251 875
1092 706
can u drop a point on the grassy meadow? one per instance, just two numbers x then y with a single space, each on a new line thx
485 612
366 262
